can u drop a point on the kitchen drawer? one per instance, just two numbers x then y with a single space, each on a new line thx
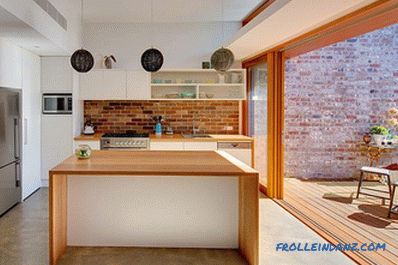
234 145
159 146
240 150
208 146
94 145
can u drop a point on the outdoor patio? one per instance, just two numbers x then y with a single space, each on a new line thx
331 209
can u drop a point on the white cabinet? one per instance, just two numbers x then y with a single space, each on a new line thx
56 135
174 146
114 85
138 85
240 150
103 85
31 122
90 84
205 146
188 146
10 65
94 145
56 75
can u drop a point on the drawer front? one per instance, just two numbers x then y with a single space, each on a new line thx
244 155
234 145
205 146
159 146
94 145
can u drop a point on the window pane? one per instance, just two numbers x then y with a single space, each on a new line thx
258 116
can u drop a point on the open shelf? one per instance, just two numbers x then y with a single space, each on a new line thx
175 83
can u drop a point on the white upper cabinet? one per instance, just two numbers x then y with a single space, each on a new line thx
90 84
103 85
138 85
114 85
56 75
10 65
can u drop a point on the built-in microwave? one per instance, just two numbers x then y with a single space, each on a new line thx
57 103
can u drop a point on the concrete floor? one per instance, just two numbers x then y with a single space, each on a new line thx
24 241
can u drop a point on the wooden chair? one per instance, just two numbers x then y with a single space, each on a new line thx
392 182
392 208
378 172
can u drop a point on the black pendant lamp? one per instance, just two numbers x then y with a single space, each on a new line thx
152 59
82 60
222 59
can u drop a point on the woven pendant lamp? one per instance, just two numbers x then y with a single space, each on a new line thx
222 59
82 60
152 59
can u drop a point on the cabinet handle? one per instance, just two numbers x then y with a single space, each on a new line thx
25 130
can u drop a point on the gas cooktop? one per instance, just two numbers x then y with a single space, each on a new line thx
125 135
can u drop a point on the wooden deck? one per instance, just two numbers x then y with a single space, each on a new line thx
330 208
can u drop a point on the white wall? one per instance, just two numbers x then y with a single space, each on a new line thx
184 45
31 122
10 65
78 106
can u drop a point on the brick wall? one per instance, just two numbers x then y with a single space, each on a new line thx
333 95
123 116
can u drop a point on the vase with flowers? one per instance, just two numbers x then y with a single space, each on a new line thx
379 134
392 122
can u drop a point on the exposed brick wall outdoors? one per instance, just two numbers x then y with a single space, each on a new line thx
333 96
124 116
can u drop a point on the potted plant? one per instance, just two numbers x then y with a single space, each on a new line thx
379 133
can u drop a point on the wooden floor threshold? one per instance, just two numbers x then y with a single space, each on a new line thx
331 238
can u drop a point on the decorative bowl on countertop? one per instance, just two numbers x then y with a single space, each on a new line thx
83 151
188 95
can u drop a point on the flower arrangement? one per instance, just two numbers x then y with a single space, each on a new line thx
378 130
392 118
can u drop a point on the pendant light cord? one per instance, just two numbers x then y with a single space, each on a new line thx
81 19
222 23
152 24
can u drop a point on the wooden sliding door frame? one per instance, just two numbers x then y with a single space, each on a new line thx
377 15
275 109
276 105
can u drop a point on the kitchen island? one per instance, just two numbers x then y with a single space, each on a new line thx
176 199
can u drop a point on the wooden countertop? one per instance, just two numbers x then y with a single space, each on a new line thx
82 137
178 138
212 138
155 163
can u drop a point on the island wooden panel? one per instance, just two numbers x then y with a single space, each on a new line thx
249 218
152 163
58 216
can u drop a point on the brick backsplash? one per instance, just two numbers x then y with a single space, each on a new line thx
332 96
126 115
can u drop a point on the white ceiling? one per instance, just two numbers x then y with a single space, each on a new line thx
21 34
139 11
287 19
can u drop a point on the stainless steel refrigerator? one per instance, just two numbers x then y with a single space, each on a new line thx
10 139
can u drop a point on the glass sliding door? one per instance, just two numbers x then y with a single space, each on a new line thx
257 116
